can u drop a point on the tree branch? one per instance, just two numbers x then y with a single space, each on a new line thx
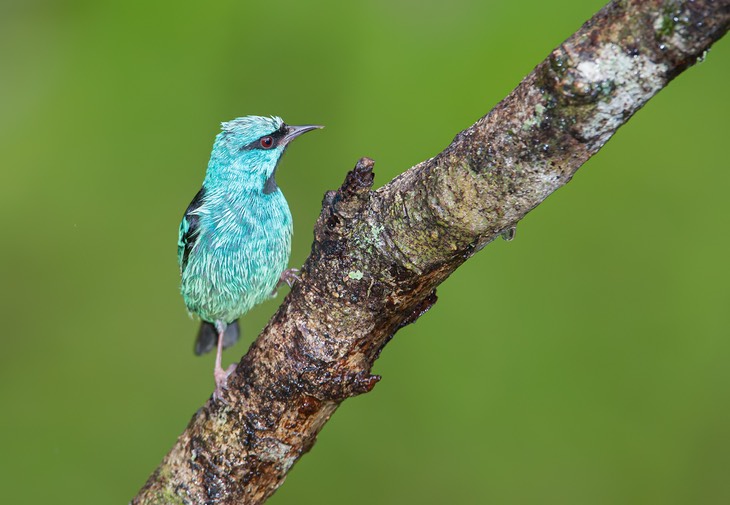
378 256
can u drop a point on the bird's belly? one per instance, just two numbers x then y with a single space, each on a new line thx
225 278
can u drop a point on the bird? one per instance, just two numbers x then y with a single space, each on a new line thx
234 239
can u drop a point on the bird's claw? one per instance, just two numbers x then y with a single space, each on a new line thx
221 382
288 277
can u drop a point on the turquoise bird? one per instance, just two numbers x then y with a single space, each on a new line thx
235 237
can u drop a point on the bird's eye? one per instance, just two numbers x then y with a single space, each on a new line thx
266 142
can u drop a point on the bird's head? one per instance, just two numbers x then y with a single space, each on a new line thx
249 149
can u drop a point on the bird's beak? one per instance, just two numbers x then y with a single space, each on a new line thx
293 132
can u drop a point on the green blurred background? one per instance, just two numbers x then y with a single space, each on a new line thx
586 362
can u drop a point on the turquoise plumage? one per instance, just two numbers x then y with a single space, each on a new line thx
235 237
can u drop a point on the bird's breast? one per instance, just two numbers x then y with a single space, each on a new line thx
239 256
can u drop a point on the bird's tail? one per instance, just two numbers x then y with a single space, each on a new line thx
208 337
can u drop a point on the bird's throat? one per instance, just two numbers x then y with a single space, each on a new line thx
270 184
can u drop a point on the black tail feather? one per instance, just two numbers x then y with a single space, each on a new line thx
208 337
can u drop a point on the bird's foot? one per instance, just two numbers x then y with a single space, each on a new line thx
221 381
289 276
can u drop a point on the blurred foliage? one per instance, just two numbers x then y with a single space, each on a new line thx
584 362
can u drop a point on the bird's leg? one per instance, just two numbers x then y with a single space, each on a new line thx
221 376
288 276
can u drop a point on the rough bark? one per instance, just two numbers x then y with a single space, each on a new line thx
378 256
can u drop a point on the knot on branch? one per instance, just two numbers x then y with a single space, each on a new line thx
339 208
360 179
354 192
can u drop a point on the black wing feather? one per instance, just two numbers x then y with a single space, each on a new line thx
189 229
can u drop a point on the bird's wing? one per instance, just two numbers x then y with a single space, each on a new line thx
189 230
